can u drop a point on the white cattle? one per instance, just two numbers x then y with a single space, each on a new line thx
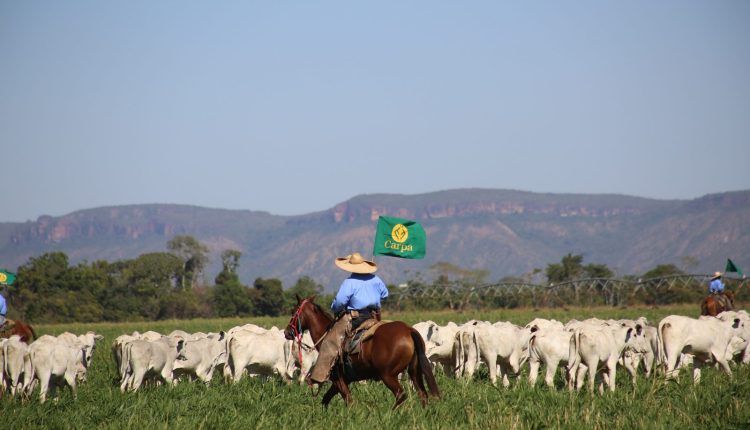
180 333
740 346
117 351
593 345
549 346
53 362
440 350
543 324
631 358
201 356
308 353
151 335
141 357
503 347
260 353
88 341
706 339
427 329
13 352
465 349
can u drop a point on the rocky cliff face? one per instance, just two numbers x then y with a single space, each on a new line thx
508 233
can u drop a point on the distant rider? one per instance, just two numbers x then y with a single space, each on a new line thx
3 310
716 286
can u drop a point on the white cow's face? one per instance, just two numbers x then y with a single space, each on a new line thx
636 339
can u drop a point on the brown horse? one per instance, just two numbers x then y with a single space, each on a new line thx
713 306
393 348
20 328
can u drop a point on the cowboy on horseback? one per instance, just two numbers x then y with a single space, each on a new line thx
3 311
716 290
357 300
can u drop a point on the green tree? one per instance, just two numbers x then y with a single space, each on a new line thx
269 300
37 295
233 299
230 261
194 256
569 268
598 271
304 287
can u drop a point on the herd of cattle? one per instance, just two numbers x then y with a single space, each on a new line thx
581 348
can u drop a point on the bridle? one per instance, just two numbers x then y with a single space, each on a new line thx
295 325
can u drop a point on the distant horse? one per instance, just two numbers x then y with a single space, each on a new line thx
714 305
20 328
394 347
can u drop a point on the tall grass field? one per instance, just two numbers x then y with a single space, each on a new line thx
254 403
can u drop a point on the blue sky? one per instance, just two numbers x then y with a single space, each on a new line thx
293 107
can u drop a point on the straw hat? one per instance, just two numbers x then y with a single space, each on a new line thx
716 275
356 264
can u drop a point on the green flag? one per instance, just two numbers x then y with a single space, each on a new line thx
731 267
7 278
399 237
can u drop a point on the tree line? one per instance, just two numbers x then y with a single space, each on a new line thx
153 286
169 285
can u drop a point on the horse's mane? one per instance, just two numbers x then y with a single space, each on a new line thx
323 311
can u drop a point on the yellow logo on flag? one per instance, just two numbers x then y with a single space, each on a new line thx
400 233
3 277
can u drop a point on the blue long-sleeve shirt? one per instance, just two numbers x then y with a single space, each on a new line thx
359 291
3 306
716 286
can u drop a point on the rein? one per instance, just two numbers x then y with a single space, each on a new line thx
295 324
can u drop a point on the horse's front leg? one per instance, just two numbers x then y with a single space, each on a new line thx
328 396
343 388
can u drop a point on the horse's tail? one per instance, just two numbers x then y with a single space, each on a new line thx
424 364
33 333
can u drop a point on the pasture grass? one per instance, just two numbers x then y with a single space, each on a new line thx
718 402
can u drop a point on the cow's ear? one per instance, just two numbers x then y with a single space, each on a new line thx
638 329
98 337
736 323
629 333
180 345
221 335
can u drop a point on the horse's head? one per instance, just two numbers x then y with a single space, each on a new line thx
298 324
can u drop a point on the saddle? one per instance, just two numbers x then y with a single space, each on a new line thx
353 343
723 300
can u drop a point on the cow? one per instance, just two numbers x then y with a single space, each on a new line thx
260 353
543 323
427 329
141 357
53 362
13 352
201 356
307 353
440 349
503 347
593 344
706 339
117 350
465 349
740 346
631 358
88 341
549 346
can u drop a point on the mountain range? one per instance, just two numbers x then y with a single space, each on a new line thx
506 232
